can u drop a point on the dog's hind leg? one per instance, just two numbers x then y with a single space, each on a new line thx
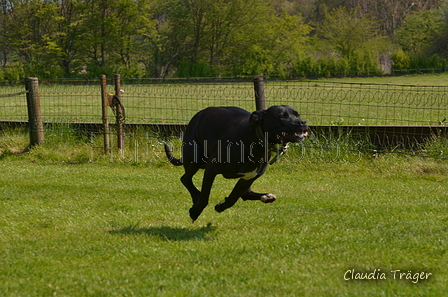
202 202
266 198
192 157
240 189
187 181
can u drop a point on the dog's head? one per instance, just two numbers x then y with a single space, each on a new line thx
282 123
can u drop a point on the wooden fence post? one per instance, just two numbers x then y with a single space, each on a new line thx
260 102
105 104
119 114
34 112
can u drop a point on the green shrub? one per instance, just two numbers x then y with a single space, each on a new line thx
401 60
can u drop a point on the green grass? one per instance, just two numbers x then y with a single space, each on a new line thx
69 227
76 222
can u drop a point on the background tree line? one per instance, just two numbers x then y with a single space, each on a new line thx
159 38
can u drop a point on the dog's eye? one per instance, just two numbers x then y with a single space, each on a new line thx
284 117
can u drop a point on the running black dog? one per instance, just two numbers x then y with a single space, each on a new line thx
237 144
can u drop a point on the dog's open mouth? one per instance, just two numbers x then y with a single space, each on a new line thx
300 134
293 136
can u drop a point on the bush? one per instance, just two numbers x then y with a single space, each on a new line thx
13 72
198 69
401 60
358 64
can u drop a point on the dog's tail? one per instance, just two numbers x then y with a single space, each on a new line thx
169 154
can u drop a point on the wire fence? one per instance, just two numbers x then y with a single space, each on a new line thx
334 103
173 102
13 105
176 103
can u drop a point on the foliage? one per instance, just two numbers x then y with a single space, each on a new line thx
345 33
404 61
330 66
401 59
188 38
418 30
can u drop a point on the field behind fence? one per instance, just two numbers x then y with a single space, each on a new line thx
386 114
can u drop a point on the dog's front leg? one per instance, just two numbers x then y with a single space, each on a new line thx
201 203
241 187
266 198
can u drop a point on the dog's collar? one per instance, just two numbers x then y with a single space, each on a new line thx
280 150
276 148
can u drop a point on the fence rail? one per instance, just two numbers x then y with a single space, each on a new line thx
388 115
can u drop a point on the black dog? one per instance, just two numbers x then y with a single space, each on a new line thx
237 144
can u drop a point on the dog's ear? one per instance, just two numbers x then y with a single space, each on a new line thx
257 117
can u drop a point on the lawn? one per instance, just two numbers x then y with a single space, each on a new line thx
122 229
76 222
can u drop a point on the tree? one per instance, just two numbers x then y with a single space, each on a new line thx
5 22
134 20
218 37
31 20
64 42
99 32
231 29
417 33
170 40
388 13
196 36
50 38
345 32
274 48
31 24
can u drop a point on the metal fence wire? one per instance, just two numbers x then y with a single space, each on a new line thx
173 102
331 103
176 101
13 105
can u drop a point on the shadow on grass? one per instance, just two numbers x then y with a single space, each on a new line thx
14 152
170 233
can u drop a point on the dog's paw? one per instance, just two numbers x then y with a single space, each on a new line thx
220 207
194 214
268 198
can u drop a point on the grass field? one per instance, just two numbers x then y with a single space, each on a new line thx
69 227
76 222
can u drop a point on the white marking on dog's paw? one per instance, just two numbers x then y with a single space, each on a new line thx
268 198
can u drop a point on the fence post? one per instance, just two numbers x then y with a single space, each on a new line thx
260 102
105 105
119 114
34 112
